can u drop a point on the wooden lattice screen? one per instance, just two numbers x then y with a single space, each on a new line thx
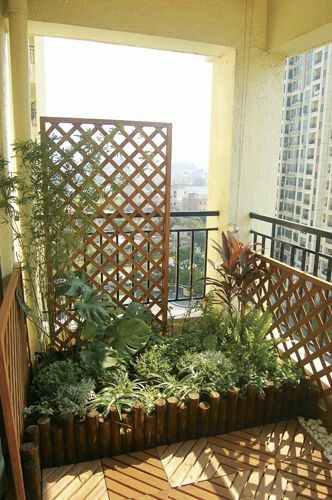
118 176
302 318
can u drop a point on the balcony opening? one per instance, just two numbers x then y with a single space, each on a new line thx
134 83
119 82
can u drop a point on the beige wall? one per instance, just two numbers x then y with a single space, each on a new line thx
298 25
211 21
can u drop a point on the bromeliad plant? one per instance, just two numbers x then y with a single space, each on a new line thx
237 271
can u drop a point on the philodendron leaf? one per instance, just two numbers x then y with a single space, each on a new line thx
100 353
90 330
74 284
94 310
129 335
139 311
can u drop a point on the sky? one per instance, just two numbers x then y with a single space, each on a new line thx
97 80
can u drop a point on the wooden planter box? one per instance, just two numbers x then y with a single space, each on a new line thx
78 440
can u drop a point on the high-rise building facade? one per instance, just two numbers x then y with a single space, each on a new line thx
305 178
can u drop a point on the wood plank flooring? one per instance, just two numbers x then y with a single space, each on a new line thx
276 461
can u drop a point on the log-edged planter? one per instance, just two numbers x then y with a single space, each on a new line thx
77 440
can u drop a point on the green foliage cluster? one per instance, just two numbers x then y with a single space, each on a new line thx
246 341
154 361
48 379
211 370
59 389
122 394
178 365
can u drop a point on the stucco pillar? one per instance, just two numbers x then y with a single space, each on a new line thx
6 247
222 116
20 72
19 57
256 139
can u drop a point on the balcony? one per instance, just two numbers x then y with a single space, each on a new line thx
129 246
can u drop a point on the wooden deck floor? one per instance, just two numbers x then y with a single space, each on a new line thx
277 461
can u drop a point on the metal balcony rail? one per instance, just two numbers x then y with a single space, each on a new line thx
304 247
189 255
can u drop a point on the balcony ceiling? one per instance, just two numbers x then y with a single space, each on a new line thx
281 26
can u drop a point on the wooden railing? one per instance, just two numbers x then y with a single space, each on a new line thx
301 306
14 373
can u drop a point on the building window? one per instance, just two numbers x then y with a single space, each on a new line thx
318 57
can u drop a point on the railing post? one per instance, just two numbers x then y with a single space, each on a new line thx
273 234
191 264
177 266
317 250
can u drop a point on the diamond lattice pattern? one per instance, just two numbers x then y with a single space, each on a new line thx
117 175
301 307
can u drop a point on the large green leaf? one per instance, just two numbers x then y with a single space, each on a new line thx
99 353
94 309
90 330
129 335
139 311
73 284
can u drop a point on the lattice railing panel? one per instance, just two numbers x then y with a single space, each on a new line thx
301 306
117 177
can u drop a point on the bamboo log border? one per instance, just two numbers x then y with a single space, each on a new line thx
97 437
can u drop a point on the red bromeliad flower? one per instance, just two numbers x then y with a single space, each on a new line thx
233 252
238 273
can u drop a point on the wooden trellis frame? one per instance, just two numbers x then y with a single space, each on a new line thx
301 306
121 182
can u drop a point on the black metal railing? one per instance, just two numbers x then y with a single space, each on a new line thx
300 246
188 256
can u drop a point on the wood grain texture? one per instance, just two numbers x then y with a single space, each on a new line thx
116 187
275 461
301 309
14 373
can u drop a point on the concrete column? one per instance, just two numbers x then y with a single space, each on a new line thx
222 116
21 111
256 140
6 239
19 52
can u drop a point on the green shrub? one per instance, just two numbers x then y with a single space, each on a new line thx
177 346
169 385
148 397
153 361
49 378
211 370
285 372
41 409
72 399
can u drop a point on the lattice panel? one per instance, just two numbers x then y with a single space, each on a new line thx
117 177
301 306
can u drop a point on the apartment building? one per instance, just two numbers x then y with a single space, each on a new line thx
305 179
